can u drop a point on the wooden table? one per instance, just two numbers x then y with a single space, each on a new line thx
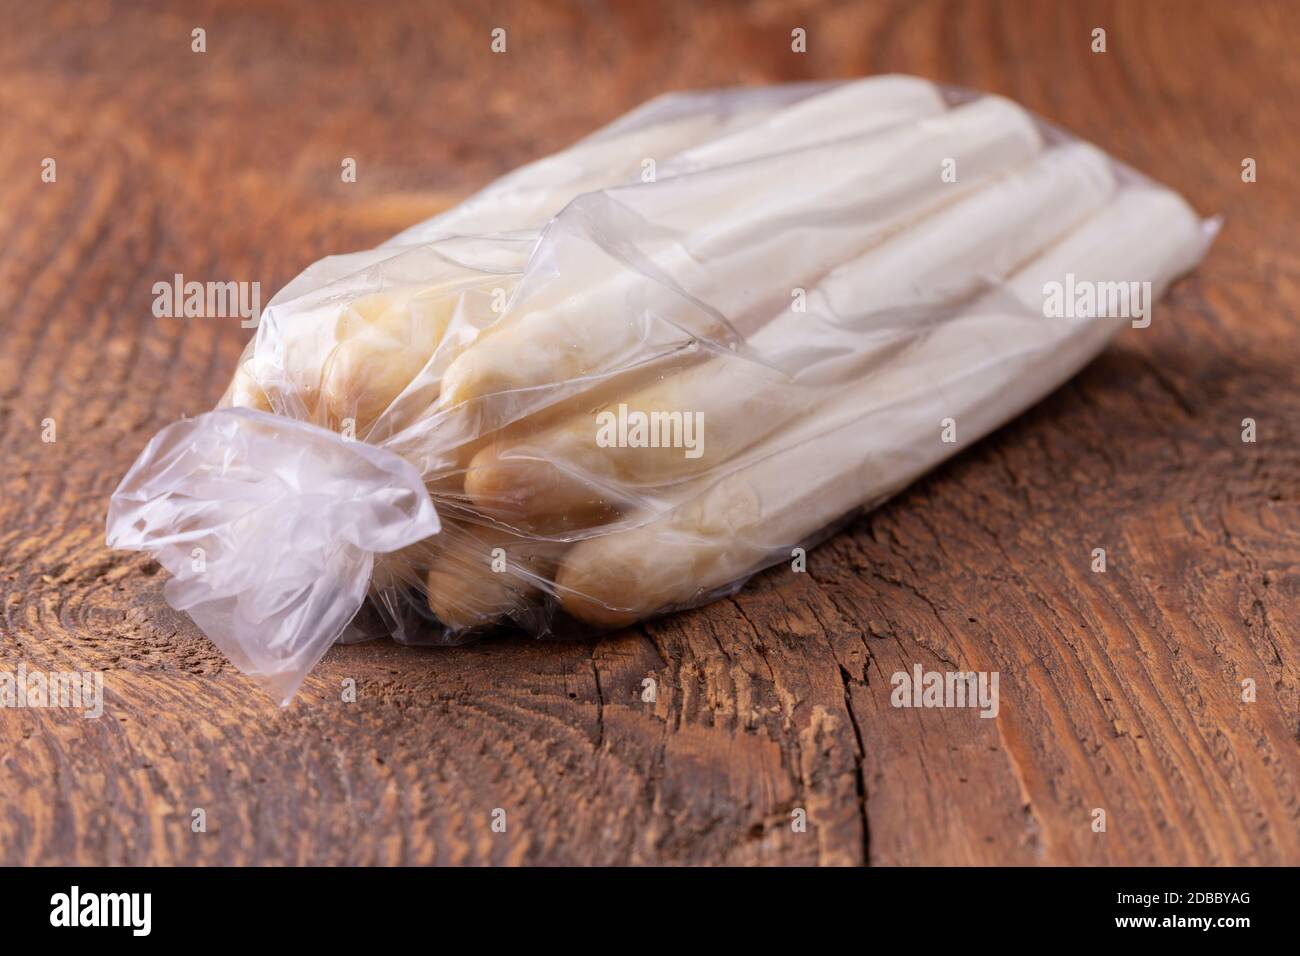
1120 691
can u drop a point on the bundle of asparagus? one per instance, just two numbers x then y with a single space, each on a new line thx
625 377
871 438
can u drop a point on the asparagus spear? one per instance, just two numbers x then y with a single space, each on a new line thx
383 341
861 313
732 237
684 131
840 113
845 111
327 362
883 432
525 198
480 574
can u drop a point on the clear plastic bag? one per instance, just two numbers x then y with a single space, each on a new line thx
621 380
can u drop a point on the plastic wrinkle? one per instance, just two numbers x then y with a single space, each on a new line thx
268 527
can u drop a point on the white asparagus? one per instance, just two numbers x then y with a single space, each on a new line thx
844 111
382 341
741 240
480 574
523 199
386 364
369 371
682 132
527 197
857 316
878 435
337 361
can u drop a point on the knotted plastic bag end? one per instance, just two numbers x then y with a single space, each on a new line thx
268 527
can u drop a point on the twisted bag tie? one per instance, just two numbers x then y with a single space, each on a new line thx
269 527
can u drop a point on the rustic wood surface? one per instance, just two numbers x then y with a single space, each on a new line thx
1119 691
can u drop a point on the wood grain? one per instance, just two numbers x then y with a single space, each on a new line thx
1119 691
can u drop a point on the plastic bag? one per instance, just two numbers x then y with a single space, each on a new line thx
621 380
